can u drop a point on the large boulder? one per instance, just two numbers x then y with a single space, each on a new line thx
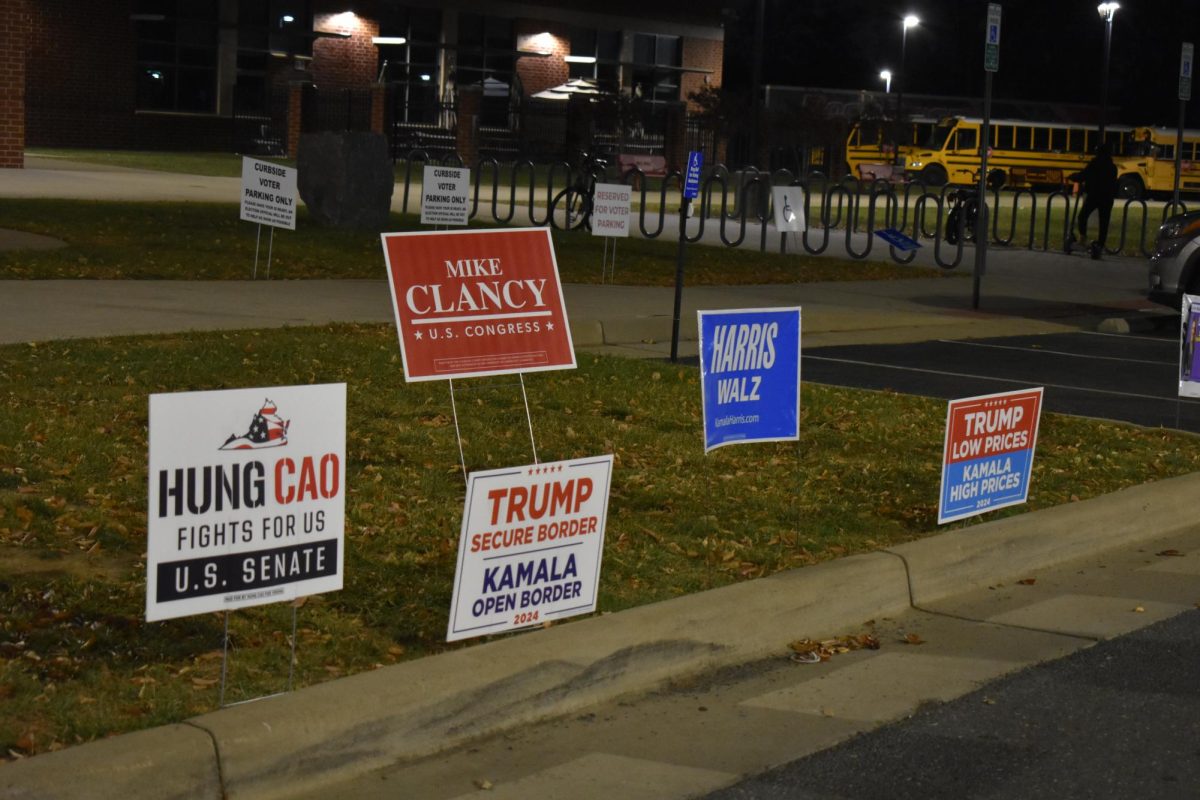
346 178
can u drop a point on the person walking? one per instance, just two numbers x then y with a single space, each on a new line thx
1099 179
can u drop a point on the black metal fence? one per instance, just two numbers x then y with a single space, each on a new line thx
260 122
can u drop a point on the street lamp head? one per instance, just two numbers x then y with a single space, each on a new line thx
912 21
886 74
1107 10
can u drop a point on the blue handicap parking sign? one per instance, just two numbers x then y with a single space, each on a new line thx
691 179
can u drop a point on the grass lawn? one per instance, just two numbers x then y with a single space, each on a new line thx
199 241
77 660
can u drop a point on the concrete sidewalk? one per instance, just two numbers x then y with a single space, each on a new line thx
325 735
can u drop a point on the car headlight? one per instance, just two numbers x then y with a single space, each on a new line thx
1176 228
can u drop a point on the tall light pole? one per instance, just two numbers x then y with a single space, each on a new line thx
910 21
1107 11
886 77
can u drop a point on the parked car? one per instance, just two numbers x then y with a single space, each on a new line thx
1175 265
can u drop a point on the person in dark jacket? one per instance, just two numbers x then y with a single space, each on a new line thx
1099 179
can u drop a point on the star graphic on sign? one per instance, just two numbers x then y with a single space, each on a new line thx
549 326
417 336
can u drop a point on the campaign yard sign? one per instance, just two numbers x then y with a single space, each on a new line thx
1189 343
268 193
750 375
989 452
444 195
531 545
610 209
477 302
247 497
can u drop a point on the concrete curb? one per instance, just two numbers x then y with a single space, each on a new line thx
331 731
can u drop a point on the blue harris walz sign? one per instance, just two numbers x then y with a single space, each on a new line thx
750 375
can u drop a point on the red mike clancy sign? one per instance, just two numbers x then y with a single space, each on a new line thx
474 303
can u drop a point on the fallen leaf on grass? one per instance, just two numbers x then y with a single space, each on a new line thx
913 638
204 683
1139 610
1171 552
484 784
1027 581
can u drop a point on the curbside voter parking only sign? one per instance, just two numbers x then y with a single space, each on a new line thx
988 456
531 545
268 193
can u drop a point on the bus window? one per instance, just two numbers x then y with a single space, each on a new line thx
938 136
1166 152
1115 142
1004 137
1058 140
1024 138
1041 139
967 139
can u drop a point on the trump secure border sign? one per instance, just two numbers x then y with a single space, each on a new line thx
530 548
988 455
247 497
477 302
750 375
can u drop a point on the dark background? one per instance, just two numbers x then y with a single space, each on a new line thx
1049 50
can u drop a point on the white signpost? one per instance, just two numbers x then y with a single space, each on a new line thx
611 203
789 208
268 194
246 498
531 545
445 192
268 198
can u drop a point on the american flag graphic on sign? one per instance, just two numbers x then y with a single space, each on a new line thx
267 429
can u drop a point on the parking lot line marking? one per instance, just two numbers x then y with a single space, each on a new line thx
1015 381
1055 352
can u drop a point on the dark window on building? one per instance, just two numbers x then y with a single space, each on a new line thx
656 62
270 34
412 69
486 57
176 54
605 48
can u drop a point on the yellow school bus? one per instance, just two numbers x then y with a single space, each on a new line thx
1023 153
1149 162
874 147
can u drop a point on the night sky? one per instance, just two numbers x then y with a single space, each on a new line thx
1049 50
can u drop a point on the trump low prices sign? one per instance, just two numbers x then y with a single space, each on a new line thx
246 497
473 303
268 194
530 548
750 375
989 452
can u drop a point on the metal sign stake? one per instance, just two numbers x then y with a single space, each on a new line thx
257 240
270 246
458 433
528 418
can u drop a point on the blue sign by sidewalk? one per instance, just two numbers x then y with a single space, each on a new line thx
897 239
691 179
750 375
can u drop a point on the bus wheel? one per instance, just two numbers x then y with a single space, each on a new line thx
996 179
1131 187
934 175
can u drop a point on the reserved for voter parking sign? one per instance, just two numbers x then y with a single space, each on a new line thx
989 452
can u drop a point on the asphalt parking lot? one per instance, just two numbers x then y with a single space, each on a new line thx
1127 377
